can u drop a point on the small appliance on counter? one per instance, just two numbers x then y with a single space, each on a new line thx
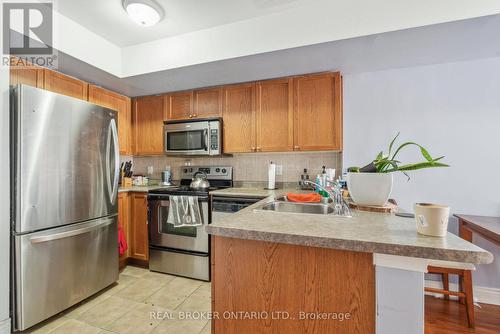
166 177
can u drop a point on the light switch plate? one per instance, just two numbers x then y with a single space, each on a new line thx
150 170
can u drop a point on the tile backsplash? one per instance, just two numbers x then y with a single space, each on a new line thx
248 166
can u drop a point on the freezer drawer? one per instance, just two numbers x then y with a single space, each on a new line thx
57 268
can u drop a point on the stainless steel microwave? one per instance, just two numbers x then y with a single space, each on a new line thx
193 137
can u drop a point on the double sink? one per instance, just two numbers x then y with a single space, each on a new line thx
281 204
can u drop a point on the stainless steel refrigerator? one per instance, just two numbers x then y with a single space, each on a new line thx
64 175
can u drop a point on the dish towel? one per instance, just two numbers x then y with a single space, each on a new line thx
122 241
184 211
304 198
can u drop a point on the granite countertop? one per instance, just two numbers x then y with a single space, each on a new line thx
365 232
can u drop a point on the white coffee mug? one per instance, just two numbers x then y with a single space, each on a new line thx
432 219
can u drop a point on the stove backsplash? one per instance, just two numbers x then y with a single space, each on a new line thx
248 166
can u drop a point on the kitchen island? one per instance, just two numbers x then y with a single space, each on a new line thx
275 272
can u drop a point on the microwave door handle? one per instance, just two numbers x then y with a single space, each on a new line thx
206 140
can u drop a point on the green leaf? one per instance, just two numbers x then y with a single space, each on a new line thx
426 154
421 165
379 156
391 144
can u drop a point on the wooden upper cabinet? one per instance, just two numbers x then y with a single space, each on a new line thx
147 120
22 72
275 115
239 118
207 102
122 105
179 105
66 85
318 112
139 227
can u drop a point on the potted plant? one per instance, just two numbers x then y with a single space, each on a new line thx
372 184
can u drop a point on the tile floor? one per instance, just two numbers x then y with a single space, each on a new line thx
128 305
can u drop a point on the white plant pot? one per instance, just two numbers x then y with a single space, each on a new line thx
370 188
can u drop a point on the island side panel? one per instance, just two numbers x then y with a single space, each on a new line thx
258 276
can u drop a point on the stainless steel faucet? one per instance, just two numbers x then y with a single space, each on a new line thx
340 207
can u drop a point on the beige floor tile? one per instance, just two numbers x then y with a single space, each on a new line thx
139 320
108 311
200 300
207 329
75 326
47 326
77 310
103 331
134 271
177 326
174 293
158 277
140 289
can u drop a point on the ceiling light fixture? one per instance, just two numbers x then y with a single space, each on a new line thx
143 12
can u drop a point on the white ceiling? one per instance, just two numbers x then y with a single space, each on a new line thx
108 19
448 42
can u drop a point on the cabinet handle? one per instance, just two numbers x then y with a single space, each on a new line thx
195 115
190 116
296 147
253 148
259 148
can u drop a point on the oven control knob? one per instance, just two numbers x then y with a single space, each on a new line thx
185 170
190 170
224 170
217 170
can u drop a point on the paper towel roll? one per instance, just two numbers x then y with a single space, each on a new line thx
271 184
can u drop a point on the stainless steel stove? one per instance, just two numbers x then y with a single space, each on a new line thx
183 251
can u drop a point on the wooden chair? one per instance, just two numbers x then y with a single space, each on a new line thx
464 272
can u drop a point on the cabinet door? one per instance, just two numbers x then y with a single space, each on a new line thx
139 227
275 115
239 118
179 105
318 112
124 220
148 125
25 73
122 105
66 85
207 102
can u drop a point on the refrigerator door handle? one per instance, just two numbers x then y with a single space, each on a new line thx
62 235
117 161
112 188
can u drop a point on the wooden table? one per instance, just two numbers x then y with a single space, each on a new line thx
486 227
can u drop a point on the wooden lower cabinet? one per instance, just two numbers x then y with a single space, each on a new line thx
305 282
124 221
139 227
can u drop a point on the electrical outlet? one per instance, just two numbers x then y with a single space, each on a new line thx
150 170
279 169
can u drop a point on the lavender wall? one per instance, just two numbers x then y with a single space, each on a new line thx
453 109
